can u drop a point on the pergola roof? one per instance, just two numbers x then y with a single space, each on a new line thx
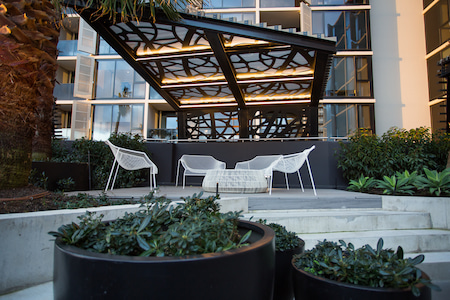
200 62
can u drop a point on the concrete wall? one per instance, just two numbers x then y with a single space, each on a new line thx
399 65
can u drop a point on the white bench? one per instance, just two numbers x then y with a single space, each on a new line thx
235 181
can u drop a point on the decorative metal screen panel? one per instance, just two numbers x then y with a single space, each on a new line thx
279 122
212 125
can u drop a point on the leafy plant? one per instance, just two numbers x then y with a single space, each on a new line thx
363 266
38 180
363 184
65 185
437 183
395 151
100 158
284 239
160 228
396 185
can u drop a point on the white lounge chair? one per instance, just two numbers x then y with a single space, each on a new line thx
262 162
292 163
131 160
197 165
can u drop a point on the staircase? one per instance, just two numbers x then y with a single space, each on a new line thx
415 231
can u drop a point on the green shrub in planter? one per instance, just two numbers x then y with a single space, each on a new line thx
158 229
364 266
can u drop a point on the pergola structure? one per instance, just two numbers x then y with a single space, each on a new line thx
226 79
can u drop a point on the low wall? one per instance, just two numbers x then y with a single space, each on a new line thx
26 248
322 159
438 207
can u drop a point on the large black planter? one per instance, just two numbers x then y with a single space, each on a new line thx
244 273
310 287
283 289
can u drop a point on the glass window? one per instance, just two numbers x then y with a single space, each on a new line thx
116 79
102 122
338 2
340 120
105 48
239 16
117 118
228 3
437 28
280 3
350 76
287 19
349 27
105 79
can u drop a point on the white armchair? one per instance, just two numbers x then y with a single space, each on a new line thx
197 165
262 162
292 163
130 160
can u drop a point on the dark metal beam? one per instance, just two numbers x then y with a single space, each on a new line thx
226 66
321 70
101 26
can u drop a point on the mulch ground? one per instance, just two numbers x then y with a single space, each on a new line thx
29 199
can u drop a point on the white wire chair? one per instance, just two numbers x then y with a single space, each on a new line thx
130 160
261 162
197 165
292 163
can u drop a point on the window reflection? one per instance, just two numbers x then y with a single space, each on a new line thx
228 3
350 77
116 79
338 2
117 119
349 27
341 120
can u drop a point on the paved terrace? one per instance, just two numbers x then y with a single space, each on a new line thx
280 199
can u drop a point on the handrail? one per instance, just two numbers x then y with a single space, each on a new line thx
242 140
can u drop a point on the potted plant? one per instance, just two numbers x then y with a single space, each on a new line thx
339 271
165 251
287 244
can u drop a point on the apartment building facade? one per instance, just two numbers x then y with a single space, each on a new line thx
378 77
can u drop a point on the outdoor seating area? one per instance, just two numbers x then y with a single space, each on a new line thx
250 176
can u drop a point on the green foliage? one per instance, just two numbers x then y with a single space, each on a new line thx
363 184
363 266
160 228
284 239
397 150
38 180
437 183
400 183
83 200
100 158
65 185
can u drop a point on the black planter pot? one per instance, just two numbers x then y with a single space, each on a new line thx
310 287
244 273
283 289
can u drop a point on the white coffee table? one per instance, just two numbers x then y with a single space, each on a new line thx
235 181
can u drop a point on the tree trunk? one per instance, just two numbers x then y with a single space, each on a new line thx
28 39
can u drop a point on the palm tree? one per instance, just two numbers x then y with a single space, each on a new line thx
28 37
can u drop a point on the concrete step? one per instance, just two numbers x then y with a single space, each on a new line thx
343 220
412 241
